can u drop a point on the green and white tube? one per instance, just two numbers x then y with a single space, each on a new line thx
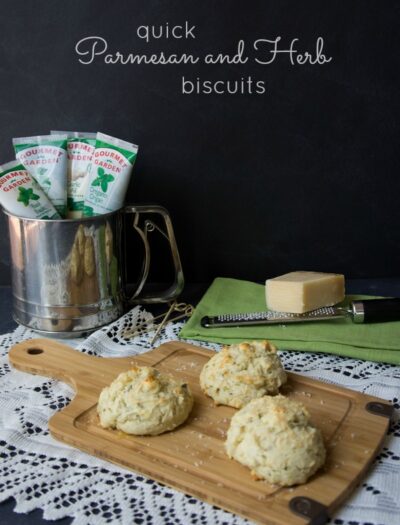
21 195
110 173
45 158
80 148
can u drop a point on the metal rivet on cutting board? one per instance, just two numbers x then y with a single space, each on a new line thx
380 409
309 508
35 351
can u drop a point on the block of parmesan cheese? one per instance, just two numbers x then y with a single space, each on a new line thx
299 292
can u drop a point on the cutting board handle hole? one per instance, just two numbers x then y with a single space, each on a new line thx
35 351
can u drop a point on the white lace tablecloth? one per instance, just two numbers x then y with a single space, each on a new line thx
40 472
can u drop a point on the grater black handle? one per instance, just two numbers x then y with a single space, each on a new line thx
376 310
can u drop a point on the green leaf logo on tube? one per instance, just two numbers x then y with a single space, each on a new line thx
103 179
21 195
45 157
110 173
80 150
26 195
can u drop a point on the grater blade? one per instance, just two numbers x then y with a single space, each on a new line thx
271 317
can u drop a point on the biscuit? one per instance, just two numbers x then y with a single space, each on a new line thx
242 372
143 401
273 436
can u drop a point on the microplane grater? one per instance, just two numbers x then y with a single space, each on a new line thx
373 310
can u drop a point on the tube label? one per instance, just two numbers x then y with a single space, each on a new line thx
110 173
21 195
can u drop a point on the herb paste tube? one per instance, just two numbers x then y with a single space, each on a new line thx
80 148
21 195
110 172
45 157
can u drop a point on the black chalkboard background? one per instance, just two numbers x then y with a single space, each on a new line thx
305 176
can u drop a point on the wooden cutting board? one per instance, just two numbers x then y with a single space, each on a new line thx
191 458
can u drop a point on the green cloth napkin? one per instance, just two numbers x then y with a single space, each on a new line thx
373 342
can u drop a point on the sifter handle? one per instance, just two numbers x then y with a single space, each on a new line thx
177 286
376 310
